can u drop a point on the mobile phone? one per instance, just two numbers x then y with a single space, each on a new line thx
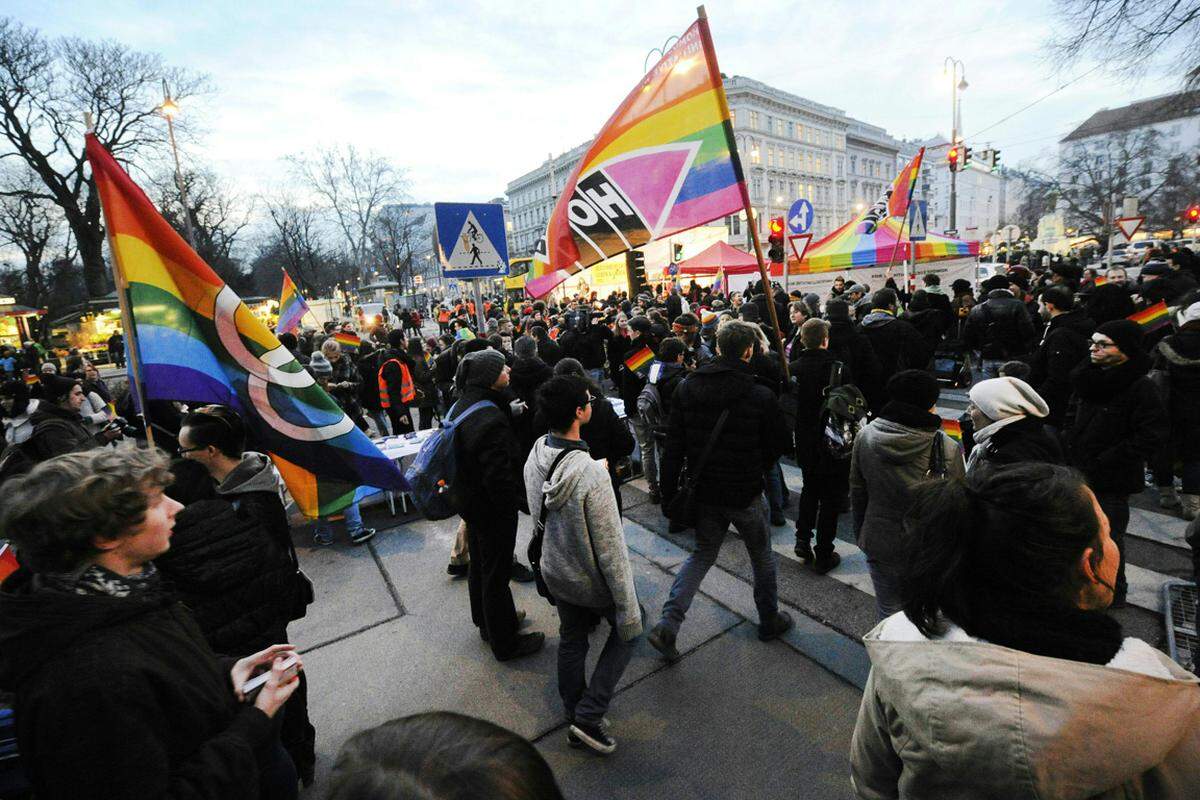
412 435
291 666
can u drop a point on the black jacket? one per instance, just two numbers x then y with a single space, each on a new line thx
57 431
999 327
1108 302
488 458
1179 355
754 435
931 323
1116 421
232 575
549 351
674 306
526 377
122 698
1027 440
812 369
606 434
897 344
854 350
629 384
1063 347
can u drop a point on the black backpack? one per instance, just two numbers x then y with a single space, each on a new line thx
843 414
18 459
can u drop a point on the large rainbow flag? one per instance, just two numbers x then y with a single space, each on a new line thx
875 236
292 307
664 162
197 342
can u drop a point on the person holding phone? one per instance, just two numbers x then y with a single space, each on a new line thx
117 693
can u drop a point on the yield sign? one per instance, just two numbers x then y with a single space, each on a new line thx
1128 226
800 249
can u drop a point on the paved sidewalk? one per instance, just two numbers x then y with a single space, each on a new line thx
390 634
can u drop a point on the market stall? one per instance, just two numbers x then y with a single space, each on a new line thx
16 322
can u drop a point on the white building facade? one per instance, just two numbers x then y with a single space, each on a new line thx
790 148
986 199
1174 117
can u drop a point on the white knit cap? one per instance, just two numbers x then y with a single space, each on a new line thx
1001 398
1189 314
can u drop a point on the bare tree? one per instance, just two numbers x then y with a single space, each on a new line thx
397 234
45 88
297 243
31 225
354 188
218 217
1131 34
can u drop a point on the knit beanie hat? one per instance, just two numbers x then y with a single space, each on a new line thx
1125 333
915 387
56 387
480 368
319 365
1001 398
1188 315
837 309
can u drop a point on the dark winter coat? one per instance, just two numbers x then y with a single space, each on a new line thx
1063 347
422 376
368 387
1108 302
931 323
393 376
232 575
853 349
488 458
999 327
525 378
123 699
618 351
897 344
57 431
1168 288
753 437
549 351
1179 355
1027 440
811 370
606 434
674 306
629 384
1116 422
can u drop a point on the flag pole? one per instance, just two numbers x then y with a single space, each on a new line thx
131 343
907 210
710 54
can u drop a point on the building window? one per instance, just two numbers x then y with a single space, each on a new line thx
754 120
770 123
840 166
791 130
733 116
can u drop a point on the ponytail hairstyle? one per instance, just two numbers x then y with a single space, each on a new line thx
997 555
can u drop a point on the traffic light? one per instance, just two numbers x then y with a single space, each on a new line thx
635 272
676 253
952 158
775 238
965 158
995 161
1192 215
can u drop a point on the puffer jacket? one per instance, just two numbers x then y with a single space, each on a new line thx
754 436
1116 422
892 455
1179 355
958 717
1064 345
237 582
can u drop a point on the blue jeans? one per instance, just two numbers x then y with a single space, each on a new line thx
584 701
886 580
597 375
381 421
354 523
712 524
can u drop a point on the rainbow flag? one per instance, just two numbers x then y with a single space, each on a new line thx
197 342
31 379
952 428
347 340
1152 318
639 362
719 285
1100 280
292 307
8 561
664 162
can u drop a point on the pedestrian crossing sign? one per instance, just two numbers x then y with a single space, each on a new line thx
471 240
917 219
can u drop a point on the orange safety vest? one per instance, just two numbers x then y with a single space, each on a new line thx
408 392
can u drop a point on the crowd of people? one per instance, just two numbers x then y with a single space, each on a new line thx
994 554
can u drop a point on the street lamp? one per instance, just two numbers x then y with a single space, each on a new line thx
169 109
954 69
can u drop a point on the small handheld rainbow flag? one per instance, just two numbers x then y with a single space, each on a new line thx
639 362
718 286
952 428
31 379
292 307
8 561
347 340
1152 318
1100 280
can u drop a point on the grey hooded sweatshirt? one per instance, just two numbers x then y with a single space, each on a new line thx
585 560
958 717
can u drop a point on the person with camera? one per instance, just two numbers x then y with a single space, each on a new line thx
118 695
58 427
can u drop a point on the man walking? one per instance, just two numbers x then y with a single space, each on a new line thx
722 401
1064 345
1116 421
585 561
489 472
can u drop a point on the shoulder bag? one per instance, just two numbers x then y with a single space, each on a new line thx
683 506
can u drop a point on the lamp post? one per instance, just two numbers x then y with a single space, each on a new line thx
169 109
954 69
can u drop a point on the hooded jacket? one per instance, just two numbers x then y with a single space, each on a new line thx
253 490
999 327
1179 355
959 717
488 458
122 698
897 345
585 561
854 350
1063 346
892 455
57 431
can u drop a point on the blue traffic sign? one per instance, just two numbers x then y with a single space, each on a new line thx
800 216
471 240
918 217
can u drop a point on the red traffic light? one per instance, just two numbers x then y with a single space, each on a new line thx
952 157
1193 214
776 226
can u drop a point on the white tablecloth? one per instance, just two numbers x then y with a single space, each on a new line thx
398 447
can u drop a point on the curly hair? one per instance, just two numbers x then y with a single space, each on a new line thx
54 514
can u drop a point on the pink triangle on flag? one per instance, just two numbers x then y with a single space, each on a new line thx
649 179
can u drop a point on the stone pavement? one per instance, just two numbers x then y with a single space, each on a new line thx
390 635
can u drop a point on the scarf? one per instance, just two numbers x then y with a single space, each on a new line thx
96 580
1097 384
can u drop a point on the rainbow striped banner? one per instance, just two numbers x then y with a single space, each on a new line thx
952 428
640 361
292 307
1100 280
347 340
197 342
663 163
1152 318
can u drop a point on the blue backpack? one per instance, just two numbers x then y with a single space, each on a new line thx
432 473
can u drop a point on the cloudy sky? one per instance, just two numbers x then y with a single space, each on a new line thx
467 96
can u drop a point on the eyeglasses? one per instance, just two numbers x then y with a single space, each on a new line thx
186 450
1101 344
589 400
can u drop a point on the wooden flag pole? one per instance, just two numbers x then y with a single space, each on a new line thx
710 54
131 345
